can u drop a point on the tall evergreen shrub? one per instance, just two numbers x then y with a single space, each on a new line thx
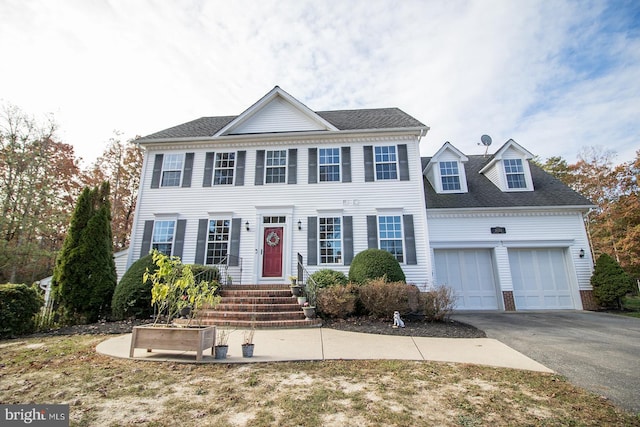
610 282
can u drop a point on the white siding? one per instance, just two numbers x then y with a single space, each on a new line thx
298 201
277 116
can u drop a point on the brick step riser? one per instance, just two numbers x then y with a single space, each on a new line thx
314 323
256 307
255 287
256 294
252 316
258 301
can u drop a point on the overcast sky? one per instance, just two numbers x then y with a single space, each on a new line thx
555 76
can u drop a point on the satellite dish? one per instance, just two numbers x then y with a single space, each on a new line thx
486 140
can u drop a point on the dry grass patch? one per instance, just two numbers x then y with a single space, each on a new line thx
110 392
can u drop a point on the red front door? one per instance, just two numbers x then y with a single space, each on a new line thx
272 259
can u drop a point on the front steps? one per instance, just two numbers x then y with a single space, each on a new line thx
268 306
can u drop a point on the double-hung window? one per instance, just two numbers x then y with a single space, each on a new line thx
218 241
386 161
450 176
276 167
224 166
514 171
172 169
390 235
163 234
330 240
329 164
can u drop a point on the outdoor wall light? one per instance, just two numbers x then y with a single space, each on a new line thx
581 253
246 224
299 225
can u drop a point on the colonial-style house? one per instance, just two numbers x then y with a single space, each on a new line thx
278 184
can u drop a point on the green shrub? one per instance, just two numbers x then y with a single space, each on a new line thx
375 263
438 303
327 277
337 301
18 306
380 298
610 282
132 297
205 272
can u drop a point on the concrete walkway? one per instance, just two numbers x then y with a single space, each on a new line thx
278 345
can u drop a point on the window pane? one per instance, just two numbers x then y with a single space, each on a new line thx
172 170
224 167
330 240
390 232
515 173
162 239
450 176
386 162
276 170
329 161
218 241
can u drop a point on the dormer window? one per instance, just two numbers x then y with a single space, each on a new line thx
514 172
450 176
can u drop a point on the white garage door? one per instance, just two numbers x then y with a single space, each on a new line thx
470 273
540 279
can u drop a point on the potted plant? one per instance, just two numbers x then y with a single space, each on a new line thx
175 292
247 342
296 290
222 346
309 307
302 300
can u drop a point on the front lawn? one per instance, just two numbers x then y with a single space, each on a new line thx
103 391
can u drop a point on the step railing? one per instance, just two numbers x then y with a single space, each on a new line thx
305 279
222 276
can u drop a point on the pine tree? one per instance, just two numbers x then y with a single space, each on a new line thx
610 282
85 276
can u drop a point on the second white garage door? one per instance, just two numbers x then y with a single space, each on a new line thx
540 279
470 273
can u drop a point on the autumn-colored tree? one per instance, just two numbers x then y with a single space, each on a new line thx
38 184
120 164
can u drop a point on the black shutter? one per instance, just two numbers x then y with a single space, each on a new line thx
346 164
347 233
234 244
313 165
178 243
201 242
293 166
259 167
157 171
188 169
240 161
372 232
146 237
209 159
369 175
312 240
403 161
409 240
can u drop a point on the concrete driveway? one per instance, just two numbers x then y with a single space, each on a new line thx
597 351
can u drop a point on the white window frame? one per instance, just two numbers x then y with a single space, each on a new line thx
448 175
340 257
336 164
384 162
169 164
214 257
222 165
170 242
522 172
268 167
394 238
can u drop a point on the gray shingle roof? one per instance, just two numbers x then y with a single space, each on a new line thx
548 191
379 118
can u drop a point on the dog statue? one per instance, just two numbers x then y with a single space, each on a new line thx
397 321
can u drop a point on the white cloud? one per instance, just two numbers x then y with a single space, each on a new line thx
554 76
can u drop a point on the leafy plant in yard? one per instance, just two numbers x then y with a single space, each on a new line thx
380 298
132 297
610 282
439 303
327 277
337 301
18 306
374 264
174 288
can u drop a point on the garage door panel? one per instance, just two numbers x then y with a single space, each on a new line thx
540 279
470 274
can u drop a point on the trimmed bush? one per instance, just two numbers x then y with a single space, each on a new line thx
337 301
438 303
18 306
610 282
374 263
380 298
132 297
327 277
205 272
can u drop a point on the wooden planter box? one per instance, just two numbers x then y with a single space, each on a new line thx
183 339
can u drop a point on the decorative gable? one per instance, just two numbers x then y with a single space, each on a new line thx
276 112
445 171
509 168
